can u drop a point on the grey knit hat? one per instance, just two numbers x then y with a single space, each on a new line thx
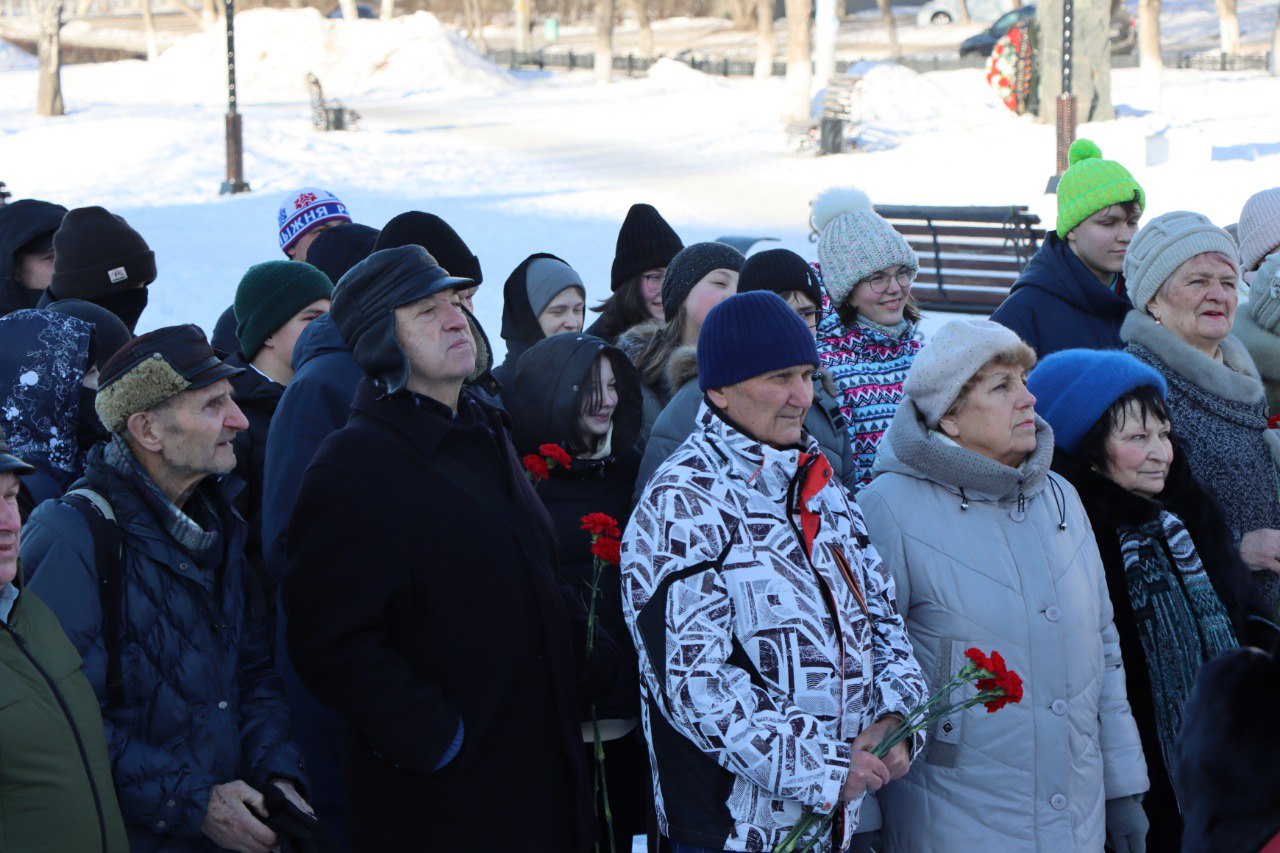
1166 243
1264 294
690 265
953 356
854 241
1259 227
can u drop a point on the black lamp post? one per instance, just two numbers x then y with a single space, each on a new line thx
235 182
1066 105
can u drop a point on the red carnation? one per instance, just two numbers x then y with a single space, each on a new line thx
537 466
980 660
557 454
1004 681
600 524
607 550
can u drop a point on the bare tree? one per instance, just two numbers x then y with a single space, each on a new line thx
645 25
742 13
475 25
149 28
799 59
826 27
348 8
764 39
964 13
209 12
891 25
49 83
388 10
1149 59
604 40
1228 26
524 40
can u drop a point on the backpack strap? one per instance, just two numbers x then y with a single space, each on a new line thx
108 558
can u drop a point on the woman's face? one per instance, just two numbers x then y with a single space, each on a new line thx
997 419
882 296
804 306
1139 452
1198 302
712 289
651 288
564 313
593 424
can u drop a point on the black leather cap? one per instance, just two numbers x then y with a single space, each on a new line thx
184 348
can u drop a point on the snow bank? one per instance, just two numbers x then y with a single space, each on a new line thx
14 58
276 48
673 74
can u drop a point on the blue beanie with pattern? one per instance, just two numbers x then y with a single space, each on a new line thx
749 334
1076 387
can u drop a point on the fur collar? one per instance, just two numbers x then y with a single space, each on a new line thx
1263 345
1235 380
682 367
633 341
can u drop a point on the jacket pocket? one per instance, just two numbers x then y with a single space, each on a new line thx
945 733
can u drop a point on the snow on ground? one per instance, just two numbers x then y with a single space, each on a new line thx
541 162
14 58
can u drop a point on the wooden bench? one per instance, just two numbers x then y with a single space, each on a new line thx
329 115
969 256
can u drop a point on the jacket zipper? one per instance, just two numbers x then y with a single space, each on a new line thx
66 712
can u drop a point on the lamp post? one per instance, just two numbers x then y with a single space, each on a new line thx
235 182
1066 104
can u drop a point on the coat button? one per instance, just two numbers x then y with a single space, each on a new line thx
1058 801
182 567
171 804
1053 614
222 706
161 824
1059 707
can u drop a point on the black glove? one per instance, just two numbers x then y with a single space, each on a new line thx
296 831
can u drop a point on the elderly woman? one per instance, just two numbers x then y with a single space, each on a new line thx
1182 271
989 549
1179 589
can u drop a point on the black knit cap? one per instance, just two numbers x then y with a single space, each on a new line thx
690 266
432 233
645 242
109 333
96 253
781 271
340 248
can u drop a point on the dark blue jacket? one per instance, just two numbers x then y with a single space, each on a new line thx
1057 304
202 705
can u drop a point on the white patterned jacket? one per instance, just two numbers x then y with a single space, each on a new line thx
759 664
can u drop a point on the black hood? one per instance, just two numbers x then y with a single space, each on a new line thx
1056 270
547 378
20 223
520 327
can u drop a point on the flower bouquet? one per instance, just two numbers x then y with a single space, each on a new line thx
606 550
537 466
997 686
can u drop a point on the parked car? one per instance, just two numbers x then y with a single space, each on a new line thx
948 11
1123 35
363 10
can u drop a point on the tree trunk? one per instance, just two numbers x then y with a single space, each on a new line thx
348 8
475 25
1275 50
604 40
764 39
209 12
523 38
1091 59
49 83
799 60
1228 26
388 10
149 28
645 24
1149 59
742 13
826 26
891 25
964 13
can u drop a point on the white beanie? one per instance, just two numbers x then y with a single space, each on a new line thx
951 358
854 241
1166 243
1259 227
1264 294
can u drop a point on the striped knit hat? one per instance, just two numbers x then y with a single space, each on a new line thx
854 241
305 209
1091 184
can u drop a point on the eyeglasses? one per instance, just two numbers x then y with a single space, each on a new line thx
654 277
809 315
879 282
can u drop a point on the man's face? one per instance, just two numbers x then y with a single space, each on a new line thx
10 525
34 270
298 251
285 338
435 337
196 428
770 407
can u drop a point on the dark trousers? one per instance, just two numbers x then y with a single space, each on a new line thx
626 768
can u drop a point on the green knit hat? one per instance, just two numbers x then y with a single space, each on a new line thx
1091 184
268 297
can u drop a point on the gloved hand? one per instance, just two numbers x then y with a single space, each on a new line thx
1127 825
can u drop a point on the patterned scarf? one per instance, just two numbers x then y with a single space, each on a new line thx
1181 621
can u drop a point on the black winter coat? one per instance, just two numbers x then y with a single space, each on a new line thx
20 223
520 328
423 600
1108 506
1057 304
541 407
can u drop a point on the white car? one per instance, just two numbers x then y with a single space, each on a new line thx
948 11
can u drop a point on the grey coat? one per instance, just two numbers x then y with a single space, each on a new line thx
1003 559
1220 413
678 420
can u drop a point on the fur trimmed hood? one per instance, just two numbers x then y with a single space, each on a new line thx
633 341
1236 379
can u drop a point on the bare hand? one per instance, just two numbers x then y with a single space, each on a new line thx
1260 550
292 795
866 773
233 820
898 761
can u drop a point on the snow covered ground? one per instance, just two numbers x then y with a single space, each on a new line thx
533 162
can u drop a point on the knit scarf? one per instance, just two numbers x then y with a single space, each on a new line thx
1180 619
869 363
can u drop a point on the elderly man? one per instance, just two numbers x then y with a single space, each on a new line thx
144 567
771 653
423 598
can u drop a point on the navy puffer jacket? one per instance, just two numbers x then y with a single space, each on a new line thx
202 705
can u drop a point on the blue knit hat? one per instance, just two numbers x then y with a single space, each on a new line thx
1076 387
750 334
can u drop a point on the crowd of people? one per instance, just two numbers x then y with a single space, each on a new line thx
333 579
